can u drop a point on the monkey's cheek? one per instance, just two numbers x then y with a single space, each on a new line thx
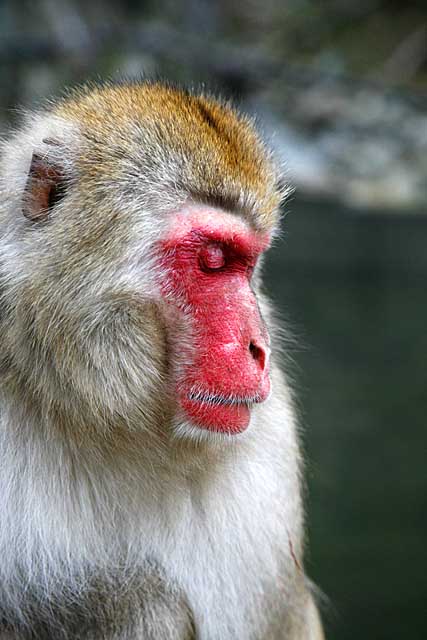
218 418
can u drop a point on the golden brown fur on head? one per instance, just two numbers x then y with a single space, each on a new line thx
231 169
127 155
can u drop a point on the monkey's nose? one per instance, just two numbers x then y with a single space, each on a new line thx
259 354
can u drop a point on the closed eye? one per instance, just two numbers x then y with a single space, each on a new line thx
212 257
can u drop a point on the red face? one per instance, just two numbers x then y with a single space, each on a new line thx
209 257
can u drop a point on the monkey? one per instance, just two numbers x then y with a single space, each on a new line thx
150 477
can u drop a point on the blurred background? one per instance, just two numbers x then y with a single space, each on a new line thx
340 90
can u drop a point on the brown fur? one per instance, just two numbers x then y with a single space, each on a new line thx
113 525
231 161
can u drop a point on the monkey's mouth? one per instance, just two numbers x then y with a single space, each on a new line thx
225 413
217 399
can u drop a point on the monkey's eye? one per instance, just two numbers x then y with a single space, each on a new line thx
212 257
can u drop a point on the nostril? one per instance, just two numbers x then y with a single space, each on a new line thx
258 354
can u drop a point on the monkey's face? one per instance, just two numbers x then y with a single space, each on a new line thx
220 356
124 303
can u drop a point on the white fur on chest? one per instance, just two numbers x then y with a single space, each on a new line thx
220 536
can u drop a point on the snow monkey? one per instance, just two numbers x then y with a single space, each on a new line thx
150 473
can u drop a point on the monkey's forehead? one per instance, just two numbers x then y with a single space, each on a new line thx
204 145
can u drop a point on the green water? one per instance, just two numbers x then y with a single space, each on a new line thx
354 289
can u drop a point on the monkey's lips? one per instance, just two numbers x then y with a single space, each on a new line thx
222 413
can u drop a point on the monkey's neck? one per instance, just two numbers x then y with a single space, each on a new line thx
81 437
73 511
72 453
100 501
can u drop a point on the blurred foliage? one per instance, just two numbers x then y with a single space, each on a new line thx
63 41
352 289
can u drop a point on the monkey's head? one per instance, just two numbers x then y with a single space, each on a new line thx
132 222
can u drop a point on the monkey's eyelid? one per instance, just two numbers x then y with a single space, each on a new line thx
212 256
217 256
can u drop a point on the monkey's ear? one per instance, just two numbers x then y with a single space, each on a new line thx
44 189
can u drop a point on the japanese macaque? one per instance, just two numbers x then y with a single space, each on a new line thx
150 473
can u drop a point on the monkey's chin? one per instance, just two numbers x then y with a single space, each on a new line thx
220 418
221 414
